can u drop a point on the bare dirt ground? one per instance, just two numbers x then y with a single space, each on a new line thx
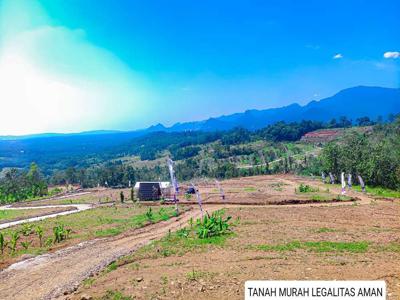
219 271
264 190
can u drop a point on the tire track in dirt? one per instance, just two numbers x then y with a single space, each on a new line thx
49 276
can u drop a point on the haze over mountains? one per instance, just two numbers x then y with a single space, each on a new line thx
53 149
352 102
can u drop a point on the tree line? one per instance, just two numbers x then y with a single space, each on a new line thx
19 185
374 155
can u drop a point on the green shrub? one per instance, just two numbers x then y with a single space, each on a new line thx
27 229
305 188
39 232
26 244
2 243
13 241
60 233
149 215
213 225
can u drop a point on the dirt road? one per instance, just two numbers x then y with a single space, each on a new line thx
77 208
51 275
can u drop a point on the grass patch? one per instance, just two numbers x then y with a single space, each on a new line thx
111 267
9 214
355 247
325 229
379 191
187 239
176 244
305 188
374 191
85 225
321 197
277 186
328 197
250 189
391 247
323 246
88 282
196 275
115 295
108 232
343 198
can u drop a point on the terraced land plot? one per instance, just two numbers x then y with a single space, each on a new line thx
346 242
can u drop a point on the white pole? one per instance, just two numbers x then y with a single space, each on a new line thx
343 183
198 198
174 183
221 191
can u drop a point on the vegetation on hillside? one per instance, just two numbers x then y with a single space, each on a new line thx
373 154
19 185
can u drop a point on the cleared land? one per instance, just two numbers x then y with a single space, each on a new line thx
99 222
299 243
265 190
319 239
7 215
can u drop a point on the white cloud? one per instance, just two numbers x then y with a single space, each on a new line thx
338 56
53 79
391 54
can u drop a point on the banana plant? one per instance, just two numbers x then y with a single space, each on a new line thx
149 215
26 244
2 243
213 225
13 241
60 233
39 232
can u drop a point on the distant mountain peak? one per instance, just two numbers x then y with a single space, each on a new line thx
352 102
157 127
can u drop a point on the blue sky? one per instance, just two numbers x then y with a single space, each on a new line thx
82 65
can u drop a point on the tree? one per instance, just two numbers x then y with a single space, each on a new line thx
364 121
344 122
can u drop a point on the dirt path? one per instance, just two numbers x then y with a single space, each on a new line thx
49 276
77 208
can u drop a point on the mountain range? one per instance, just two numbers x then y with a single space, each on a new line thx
352 103
58 151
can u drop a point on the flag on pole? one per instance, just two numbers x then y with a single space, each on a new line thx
198 198
332 178
361 183
343 183
174 182
221 191
349 181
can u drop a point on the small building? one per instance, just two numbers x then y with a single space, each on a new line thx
152 190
